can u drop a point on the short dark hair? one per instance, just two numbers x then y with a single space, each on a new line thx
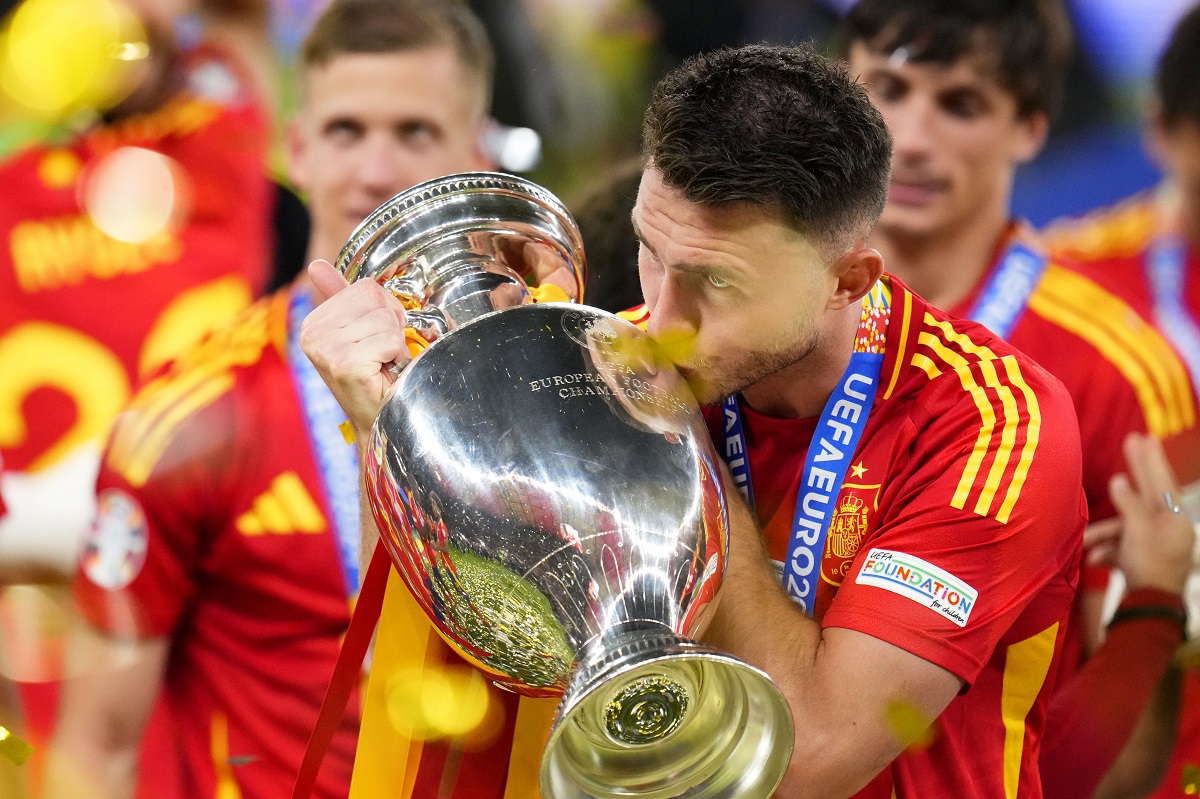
1175 80
779 127
389 26
1028 42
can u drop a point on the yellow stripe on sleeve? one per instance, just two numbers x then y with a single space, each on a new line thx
194 382
986 412
1138 352
1033 434
1013 419
138 456
1025 667
926 365
638 316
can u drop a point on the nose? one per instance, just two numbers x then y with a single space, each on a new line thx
910 124
670 309
380 167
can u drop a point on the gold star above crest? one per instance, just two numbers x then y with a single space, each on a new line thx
858 470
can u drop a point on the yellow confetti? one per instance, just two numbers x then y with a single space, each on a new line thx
347 432
910 726
674 346
548 292
13 748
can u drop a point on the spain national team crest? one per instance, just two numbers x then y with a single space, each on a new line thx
116 545
848 529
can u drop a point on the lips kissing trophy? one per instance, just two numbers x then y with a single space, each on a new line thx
551 497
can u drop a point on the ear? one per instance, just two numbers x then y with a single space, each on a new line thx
296 153
1033 131
857 272
484 160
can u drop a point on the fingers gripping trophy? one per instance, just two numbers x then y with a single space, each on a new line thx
548 492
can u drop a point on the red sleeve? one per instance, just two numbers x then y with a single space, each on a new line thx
1088 722
975 525
139 568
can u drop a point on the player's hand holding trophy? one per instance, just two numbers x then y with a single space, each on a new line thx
549 493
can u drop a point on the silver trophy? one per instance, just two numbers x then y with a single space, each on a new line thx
549 493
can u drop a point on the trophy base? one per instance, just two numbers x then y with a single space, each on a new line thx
659 716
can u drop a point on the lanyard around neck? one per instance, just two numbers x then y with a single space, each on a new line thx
829 454
1007 293
337 463
1165 267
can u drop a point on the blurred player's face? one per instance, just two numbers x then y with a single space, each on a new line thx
372 125
957 141
1178 149
750 289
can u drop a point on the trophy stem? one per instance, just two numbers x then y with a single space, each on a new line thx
652 715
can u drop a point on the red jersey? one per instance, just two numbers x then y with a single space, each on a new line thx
962 479
214 530
1120 372
1113 245
83 314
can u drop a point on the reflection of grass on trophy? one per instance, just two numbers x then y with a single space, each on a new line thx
646 710
506 618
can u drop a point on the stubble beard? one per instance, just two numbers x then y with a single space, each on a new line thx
711 387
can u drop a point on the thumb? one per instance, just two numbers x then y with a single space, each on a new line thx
327 280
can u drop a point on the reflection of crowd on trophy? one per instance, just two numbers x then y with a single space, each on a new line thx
933 280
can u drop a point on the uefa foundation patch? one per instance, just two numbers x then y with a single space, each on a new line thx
116 545
921 582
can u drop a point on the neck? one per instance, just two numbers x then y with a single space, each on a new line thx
800 391
323 248
946 266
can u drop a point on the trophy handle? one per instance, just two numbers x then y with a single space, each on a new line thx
467 243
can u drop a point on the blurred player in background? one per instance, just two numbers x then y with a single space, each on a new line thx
124 243
141 223
1147 251
967 89
224 559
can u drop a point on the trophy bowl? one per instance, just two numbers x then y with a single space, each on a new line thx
549 493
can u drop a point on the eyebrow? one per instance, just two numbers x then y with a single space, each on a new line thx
637 232
691 269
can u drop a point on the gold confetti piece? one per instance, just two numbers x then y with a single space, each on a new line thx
1190 779
674 346
13 748
347 432
548 292
910 726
